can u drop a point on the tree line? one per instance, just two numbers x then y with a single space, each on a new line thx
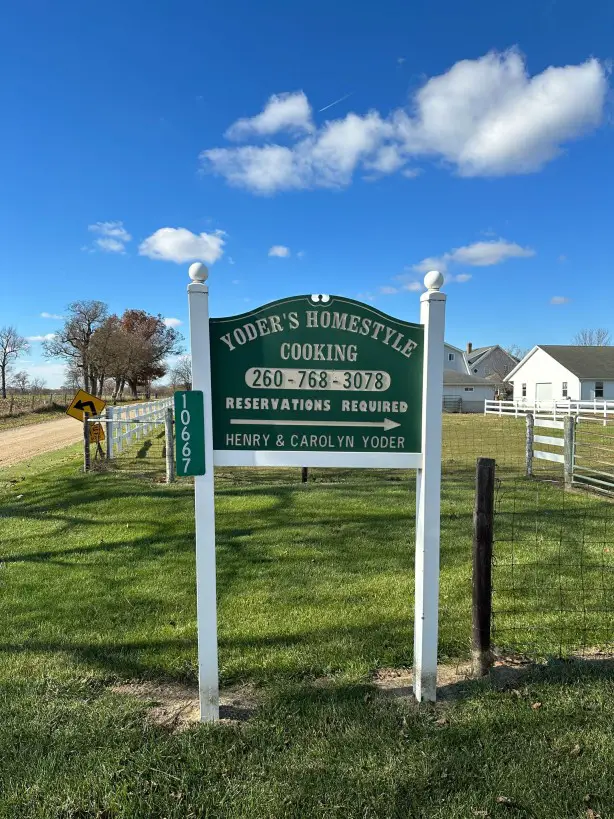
103 349
130 349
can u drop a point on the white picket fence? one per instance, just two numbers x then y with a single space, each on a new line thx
552 409
126 425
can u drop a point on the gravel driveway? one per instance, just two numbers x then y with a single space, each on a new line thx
22 443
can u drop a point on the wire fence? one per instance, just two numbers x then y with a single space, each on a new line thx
553 568
553 571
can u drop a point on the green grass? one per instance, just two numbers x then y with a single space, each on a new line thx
314 581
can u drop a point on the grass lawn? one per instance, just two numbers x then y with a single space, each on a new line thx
314 594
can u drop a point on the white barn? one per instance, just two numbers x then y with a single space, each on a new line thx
463 392
551 372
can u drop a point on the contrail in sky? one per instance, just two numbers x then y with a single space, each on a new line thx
336 102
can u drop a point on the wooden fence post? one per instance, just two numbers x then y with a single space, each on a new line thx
483 525
569 449
529 445
304 474
86 443
11 404
168 442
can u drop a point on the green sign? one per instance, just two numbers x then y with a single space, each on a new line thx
189 433
316 374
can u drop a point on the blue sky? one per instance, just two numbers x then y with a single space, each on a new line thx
476 137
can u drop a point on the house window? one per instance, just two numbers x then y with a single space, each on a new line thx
598 389
468 389
524 390
450 356
564 389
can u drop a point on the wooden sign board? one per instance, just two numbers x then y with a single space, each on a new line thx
320 381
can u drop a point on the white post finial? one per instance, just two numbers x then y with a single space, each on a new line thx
198 272
433 280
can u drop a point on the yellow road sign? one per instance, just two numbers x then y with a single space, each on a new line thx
96 433
84 402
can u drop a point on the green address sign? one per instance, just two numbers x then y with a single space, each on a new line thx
189 433
316 374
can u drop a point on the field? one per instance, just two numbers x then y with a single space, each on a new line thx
22 410
315 588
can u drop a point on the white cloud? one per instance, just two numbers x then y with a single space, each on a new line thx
181 245
488 117
236 281
280 251
388 290
479 254
300 254
47 337
483 117
231 260
110 245
459 278
559 300
413 287
172 322
283 112
51 315
113 236
562 258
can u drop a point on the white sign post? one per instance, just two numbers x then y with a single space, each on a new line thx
428 492
428 482
204 503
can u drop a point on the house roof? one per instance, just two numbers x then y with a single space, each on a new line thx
481 352
478 352
583 362
451 378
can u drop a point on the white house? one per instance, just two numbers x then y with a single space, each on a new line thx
489 362
463 392
454 359
551 372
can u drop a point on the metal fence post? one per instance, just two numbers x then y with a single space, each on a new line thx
483 525
86 442
569 449
168 436
110 430
529 444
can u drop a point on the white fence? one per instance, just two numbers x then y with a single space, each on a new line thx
585 448
131 423
553 409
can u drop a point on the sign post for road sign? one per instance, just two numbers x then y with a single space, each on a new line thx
320 381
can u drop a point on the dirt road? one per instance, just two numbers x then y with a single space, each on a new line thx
22 443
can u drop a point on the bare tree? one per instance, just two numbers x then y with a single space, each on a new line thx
11 346
599 337
73 379
37 385
181 373
516 351
21 380
72 342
